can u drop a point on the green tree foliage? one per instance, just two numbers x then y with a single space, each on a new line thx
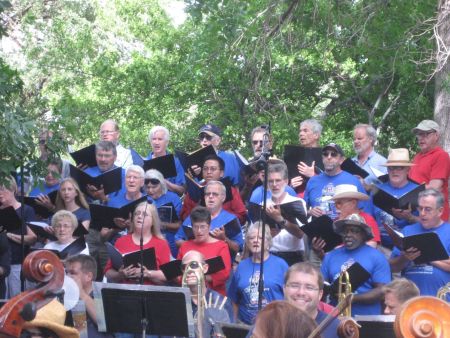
235 63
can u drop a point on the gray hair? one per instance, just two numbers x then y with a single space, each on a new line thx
137 169
222 186
155 174
436 194
106 146
113 122
59 215
370 131
316 127
257 226
155 129
279 167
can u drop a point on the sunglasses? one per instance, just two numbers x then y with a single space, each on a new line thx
204 136
330 153
152 181
193 265
255 142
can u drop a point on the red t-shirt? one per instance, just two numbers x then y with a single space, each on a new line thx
370 221
126 245
434 164
211 250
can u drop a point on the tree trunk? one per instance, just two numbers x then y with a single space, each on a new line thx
442 76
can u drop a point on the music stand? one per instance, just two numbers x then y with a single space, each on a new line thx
234 330
374 326
122 307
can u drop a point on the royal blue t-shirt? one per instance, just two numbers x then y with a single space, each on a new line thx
243 289
371 259
428 278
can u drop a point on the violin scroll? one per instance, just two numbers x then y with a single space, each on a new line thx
45 268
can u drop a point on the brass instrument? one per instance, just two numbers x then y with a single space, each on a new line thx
194 268
423 317
348 328
442 292
344 289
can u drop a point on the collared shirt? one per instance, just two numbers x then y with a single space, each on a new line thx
375 161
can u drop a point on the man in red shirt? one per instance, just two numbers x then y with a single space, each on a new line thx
432 163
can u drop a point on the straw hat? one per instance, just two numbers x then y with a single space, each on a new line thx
52 316
353 220
398 158
348 191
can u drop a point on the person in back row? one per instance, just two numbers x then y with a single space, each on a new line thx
210 134
432 163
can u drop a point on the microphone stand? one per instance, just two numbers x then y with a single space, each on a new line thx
22 227
144 321
263 161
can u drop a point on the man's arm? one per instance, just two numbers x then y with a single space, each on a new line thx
443 265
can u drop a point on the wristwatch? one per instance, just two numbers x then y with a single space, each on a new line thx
282 224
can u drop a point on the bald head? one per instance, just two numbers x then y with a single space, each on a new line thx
192 256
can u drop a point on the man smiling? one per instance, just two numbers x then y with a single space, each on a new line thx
303 288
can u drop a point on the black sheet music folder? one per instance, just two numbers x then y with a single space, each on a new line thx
168 310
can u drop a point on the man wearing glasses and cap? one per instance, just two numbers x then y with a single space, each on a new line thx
210 134
432 163
355 233
321 188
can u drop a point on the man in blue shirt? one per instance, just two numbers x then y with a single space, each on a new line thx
355 233
210 134
320 188
431 276
398 166
105 155
303 288
159 137
215 193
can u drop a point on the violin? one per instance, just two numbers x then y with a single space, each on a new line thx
45 268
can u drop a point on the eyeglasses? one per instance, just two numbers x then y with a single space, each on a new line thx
101 155
107 132
152 181
425 133
330 153
255 142
204 136
200 227
140 213
298 287
210 168
393 168
192 265
425 210
213 194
